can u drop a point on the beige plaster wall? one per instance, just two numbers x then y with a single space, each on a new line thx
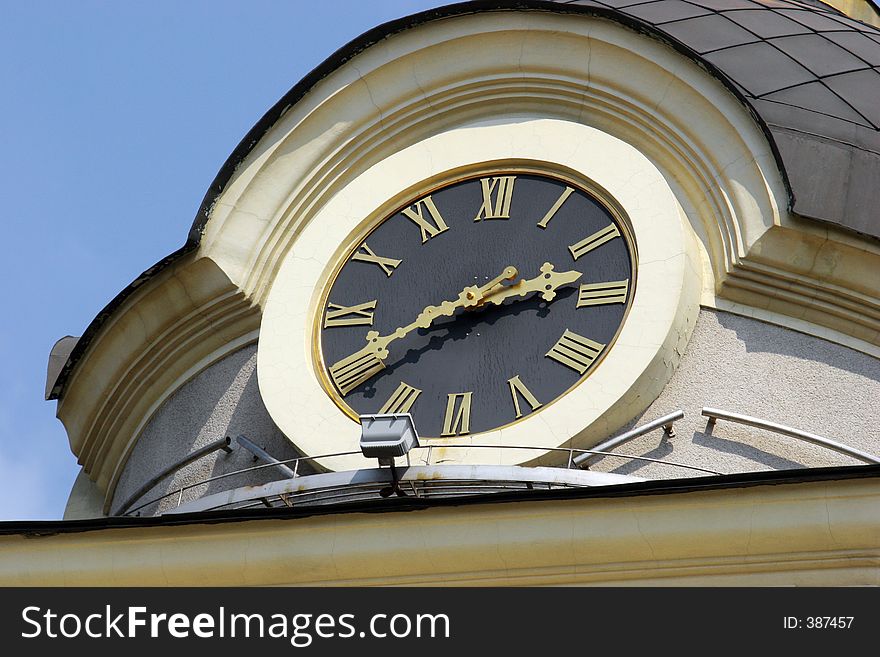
223 400
753 368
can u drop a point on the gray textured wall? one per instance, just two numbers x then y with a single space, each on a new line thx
734 363
745 366
223 400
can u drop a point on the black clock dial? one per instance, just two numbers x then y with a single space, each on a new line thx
478 304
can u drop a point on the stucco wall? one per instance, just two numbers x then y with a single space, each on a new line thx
223 400
732 362
749 367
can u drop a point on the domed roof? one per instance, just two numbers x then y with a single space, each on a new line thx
810 73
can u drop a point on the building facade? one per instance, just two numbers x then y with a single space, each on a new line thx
534 227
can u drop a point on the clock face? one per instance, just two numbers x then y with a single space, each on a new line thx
476 305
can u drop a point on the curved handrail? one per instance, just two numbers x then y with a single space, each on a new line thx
666 421
717 414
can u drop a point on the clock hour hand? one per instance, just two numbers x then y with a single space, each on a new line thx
546 283
353 370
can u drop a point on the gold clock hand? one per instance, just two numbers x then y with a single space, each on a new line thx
353 370
546 283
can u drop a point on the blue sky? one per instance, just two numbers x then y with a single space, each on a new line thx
115 118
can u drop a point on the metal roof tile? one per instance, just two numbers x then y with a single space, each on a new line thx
663 11
705 33
858 44
862 90
817 54
760 68
816 97
723 5
814 20
766 24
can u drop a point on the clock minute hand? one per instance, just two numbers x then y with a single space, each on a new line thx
546 283
368 361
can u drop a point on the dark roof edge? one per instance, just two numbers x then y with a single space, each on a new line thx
94 327
35 529
333 62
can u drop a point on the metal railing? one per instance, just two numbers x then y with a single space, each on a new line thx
579 458
666 421
715 414
266 457
571 452
223 444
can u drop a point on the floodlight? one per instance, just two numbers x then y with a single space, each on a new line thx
385 436
388 435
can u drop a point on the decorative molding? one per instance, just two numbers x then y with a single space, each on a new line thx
811 276
572 68
190 316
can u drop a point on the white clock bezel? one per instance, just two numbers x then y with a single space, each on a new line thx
660 319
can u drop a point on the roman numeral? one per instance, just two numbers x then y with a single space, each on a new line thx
358 315
575 351
352 371
594 241
388 265
517 386
598 294
553 210
401 400
502 187
456 424
416 214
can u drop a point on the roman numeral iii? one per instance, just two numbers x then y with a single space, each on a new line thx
456 424
598 294
594 241
416 214
575 351
388 265
401 400
499 208
358 315
517 386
